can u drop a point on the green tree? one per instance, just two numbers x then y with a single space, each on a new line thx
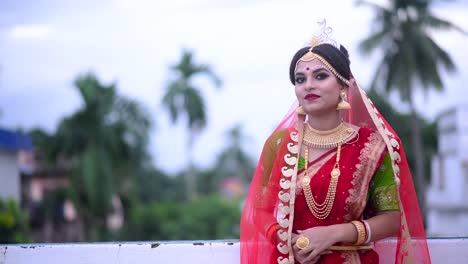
207 218
13 223
411 59
233 160
103 144
183 98
154 185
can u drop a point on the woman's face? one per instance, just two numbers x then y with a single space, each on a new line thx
317 88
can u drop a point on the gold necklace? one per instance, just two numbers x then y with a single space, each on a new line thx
327 139
322 211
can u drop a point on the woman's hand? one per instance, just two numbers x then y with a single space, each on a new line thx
320 239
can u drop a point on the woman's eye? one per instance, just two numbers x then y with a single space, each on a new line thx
322 76
300 80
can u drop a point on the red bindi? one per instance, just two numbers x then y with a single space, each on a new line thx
307 68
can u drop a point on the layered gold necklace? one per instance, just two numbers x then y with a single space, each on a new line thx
324 139
328 139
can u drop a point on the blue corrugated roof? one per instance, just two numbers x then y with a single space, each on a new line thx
14 140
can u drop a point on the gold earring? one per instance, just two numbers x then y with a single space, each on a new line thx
300 110
343 104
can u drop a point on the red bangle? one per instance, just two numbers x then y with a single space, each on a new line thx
366 235
270 232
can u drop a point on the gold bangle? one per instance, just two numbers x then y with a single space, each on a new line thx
361 231
350 248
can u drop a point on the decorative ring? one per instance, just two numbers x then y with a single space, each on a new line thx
302 242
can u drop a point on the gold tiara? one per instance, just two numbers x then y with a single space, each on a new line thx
323 35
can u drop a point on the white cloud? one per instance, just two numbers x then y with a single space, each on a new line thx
31 31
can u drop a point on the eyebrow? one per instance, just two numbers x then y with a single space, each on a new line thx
314 71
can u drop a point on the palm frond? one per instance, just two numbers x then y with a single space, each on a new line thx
373 5
195 108
182 96
173 99
440 55
373 42
437 23
378 76
207 70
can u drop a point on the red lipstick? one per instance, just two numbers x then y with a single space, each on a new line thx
311 97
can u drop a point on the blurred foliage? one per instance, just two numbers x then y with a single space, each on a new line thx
232 161
52 204
102 146
155 185
184 98
14 224
210 217
412 60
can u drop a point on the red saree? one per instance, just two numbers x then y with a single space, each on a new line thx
275 206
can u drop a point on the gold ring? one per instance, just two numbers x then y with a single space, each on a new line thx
302 242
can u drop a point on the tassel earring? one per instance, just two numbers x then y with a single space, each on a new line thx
343 104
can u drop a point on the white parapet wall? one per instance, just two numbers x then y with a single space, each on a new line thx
444 251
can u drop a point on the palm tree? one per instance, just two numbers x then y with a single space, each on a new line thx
103 144
411 59
184 98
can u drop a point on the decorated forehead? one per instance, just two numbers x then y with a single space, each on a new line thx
308 65
321 37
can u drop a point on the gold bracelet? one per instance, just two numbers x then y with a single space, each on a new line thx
361 231
350 248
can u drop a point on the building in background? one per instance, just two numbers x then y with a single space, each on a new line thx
15 159
447 197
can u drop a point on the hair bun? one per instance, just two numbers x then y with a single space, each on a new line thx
344 51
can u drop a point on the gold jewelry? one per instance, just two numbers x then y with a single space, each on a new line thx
321 211
302 242
361 231
300 110
322 36
350 248
327 139
343 104
310 56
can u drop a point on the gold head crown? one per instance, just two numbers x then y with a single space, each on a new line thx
321 37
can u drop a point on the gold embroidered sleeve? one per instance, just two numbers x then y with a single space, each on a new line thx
382 190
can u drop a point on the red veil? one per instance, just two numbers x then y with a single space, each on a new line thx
263 206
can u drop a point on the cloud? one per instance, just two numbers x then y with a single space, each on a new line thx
33 31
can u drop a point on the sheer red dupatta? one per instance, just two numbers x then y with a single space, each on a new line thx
411 246
261 205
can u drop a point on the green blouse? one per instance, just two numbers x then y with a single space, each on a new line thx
382 195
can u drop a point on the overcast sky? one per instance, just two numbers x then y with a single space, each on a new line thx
45 44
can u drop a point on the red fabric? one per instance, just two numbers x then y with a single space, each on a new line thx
262 205
341 212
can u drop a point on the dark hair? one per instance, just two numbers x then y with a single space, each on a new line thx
337 58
